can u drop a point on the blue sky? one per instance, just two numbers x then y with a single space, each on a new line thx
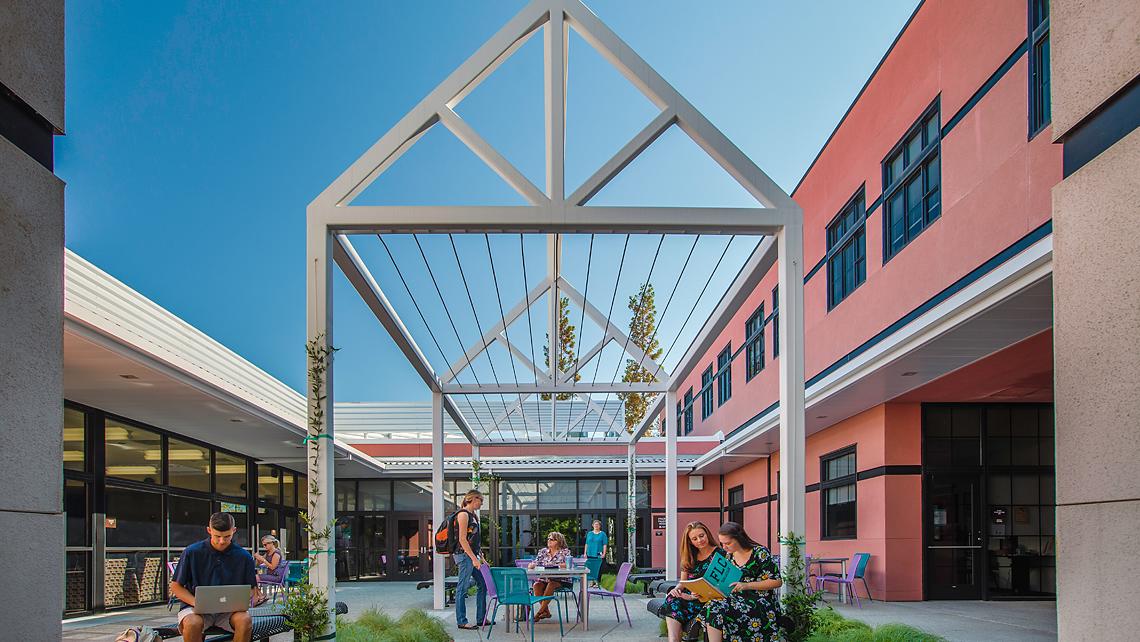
198 132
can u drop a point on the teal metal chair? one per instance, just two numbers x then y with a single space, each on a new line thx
513 589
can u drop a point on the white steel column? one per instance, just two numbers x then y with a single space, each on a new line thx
553 267
792 450
631 504
671 544
320 451
439 562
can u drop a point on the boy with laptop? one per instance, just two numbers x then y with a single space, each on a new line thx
215 581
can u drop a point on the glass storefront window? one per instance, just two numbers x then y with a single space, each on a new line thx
560 494
188 519
375 495
134 518
133 578
267 524
230 475
75 506
241 520
133 453
269 484
642 490
518 495
76 582
345 496
188 465
597 493
412 495
74 440
289 489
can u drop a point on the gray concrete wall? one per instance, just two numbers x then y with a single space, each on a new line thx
31 39
31 335
1096 335
1094 47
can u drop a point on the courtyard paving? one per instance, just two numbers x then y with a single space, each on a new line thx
956 621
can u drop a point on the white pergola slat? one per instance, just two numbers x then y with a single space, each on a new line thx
332 218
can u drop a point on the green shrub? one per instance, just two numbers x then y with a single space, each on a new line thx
373 625
903 633
607 580
830 626
663 630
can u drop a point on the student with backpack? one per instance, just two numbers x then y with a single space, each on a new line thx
463 527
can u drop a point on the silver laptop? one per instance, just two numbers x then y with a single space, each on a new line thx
221 599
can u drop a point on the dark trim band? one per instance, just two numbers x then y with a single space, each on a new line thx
26 129
1102 128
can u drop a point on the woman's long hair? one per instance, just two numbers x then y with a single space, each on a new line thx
737 532
689 552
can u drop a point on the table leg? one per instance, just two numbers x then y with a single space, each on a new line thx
843 587
585 603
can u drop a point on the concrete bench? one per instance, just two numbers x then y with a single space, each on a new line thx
449 586
695 632
267 622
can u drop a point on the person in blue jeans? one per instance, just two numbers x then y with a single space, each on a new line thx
597 542
468 559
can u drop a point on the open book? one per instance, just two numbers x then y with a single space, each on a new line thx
717 581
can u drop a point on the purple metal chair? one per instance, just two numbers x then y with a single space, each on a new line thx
858 564
274 581
619 591
523 563
492 593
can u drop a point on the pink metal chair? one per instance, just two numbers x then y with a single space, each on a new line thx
619 591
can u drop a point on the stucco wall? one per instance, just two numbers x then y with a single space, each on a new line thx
1097 356
31 39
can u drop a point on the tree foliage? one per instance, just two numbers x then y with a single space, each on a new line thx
567 347
643 333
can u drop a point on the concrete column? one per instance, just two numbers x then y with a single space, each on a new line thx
792 448
439 562
322 504
671 548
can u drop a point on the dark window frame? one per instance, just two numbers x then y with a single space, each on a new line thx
754 344
707 406
688 413
851 479
1040 72
775 322
735 506
929 154
724 376
847 231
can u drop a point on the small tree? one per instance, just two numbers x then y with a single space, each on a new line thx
643 333
567 344
800 601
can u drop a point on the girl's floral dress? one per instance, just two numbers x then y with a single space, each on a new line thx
749 616
684 611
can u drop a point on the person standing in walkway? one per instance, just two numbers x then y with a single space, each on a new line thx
597 543
469 559
682 606
751 609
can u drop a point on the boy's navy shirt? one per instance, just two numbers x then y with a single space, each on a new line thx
201 565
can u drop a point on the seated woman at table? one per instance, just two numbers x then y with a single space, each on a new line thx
681 606
272 559
750 611
555 554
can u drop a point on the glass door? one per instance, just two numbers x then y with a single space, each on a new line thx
953 534
373 545
411 559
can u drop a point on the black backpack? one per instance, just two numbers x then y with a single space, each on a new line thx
447 535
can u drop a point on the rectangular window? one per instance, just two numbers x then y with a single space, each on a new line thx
680 419
230 477
724 375
775 322
754 344
133 453
847 250
911 181
837 495
188 465
74 440
707 393
1040 113
269 483
688 410
735 501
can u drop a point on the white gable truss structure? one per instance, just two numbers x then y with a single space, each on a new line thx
332 220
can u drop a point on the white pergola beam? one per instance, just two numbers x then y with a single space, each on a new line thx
553 218
546 387
624 156
671 560
647 421
496 330
489 155
439 562
631 348
554 94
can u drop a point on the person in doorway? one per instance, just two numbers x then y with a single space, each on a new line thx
469 559
214 561
597 543
751 610
681 606
555 554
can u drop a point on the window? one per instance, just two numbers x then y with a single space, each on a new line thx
680 419
1039 104
230 476
189 465
74 440
688 423
735 501
837 495
706 393
775 322
847 250
754 344
724 375
911 180
133 453
269 484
